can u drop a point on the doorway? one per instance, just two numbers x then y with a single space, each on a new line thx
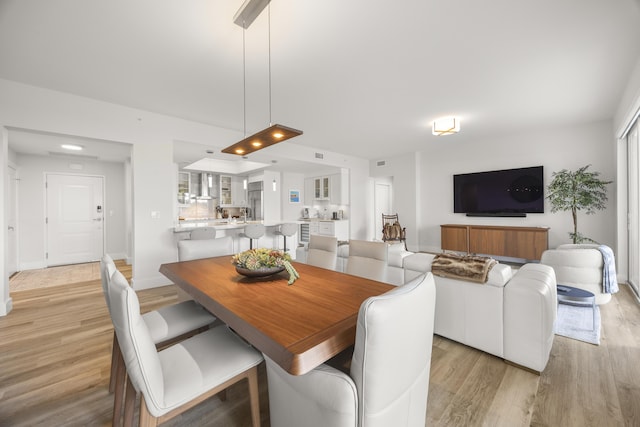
74 218
383 199
12 202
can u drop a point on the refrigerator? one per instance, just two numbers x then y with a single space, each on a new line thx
254 200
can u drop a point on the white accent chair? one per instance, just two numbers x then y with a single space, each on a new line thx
323 251
368 259
181 376
253 231
579 266
166 326
196 249
388 383
203 233
287 229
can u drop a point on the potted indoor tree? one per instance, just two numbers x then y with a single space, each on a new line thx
574 191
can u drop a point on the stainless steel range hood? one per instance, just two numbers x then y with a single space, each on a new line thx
208 188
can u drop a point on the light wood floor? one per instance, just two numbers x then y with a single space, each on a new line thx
55 355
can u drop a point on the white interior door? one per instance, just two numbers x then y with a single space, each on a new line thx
12 214
75 219
633 211
382 196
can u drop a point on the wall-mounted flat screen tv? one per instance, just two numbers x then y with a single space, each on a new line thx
509 192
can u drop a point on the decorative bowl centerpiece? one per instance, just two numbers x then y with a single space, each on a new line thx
262 262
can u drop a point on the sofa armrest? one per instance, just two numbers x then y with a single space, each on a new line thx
530 308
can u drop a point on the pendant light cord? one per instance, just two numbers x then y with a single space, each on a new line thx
244 81
269 38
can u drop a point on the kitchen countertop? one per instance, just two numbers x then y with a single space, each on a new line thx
222 224
321 220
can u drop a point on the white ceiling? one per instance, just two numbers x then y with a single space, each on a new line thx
358 77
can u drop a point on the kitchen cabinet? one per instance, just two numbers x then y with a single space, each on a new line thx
225 190
339 229
238 192
184 188
321 187
339 191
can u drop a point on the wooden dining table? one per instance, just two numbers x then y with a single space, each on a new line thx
299 326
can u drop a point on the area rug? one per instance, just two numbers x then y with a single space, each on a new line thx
577 323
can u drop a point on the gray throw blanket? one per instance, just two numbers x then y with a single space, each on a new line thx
609 280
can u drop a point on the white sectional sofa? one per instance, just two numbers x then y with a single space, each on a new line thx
510 316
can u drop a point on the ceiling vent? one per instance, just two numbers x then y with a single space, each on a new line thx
319 156
381 163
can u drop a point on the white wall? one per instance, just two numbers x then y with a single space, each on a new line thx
423 182
406 193
152 136
555 149
292 181
31 204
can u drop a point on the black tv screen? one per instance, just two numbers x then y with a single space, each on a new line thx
510 192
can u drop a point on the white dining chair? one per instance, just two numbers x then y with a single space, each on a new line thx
388 381
196 249
179 377
167 325
203 233
253 231
368 259
323 251
287 229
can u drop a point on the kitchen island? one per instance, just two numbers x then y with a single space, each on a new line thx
235 228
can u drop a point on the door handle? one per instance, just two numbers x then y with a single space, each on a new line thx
97 219
11 228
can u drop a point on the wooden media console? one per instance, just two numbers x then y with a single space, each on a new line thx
515 242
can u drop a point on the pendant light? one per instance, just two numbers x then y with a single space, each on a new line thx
275 133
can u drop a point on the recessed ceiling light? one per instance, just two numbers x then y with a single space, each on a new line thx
72 147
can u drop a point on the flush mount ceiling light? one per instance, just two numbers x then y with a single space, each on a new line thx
274 133
72 147
446 126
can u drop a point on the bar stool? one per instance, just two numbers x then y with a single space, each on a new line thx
287 230
253 231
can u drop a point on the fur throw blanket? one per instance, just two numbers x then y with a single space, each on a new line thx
470 268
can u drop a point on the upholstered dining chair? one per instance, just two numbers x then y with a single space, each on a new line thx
388 381
179 377
166 326
196 249
368 259
323 251
203 233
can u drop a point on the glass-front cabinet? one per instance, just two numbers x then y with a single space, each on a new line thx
184 188
225 190
321 188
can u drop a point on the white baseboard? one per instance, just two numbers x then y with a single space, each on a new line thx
121 255
6 307
33 265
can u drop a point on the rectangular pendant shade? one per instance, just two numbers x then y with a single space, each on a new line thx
264 138
249 11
